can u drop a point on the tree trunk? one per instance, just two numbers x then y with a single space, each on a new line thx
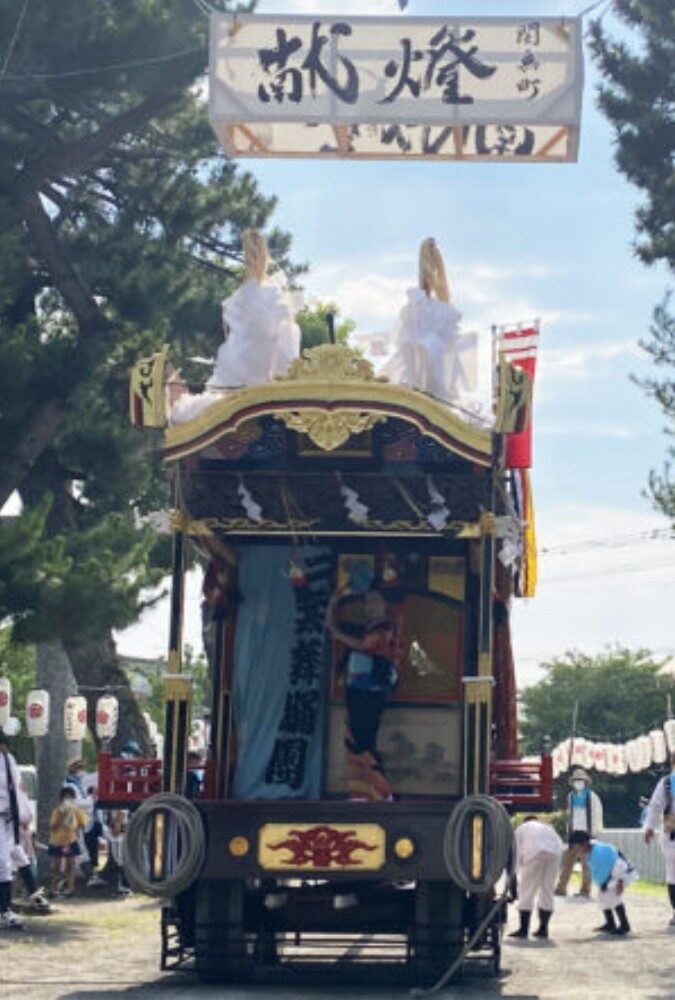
97 667
52 672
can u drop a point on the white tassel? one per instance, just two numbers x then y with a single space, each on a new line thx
254 511
440 512
509 530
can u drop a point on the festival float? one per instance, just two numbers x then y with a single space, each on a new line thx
362 533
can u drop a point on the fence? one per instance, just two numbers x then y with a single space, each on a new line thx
647 858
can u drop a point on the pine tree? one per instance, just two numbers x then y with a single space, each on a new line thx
120 230
638 98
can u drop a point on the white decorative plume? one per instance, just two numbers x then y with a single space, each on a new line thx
440 512
510 531
254 511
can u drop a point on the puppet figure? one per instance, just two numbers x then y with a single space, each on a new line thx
429 352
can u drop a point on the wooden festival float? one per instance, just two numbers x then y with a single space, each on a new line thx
330 479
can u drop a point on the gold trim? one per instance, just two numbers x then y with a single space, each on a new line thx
328 429
331 363
477 830
173 661
404 848
205 527
158 853
288 847
177 687
478 690
320 382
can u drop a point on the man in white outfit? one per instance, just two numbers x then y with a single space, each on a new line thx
14 810
661 810
538 853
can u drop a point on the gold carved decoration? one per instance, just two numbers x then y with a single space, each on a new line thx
321 846
328 429
331 363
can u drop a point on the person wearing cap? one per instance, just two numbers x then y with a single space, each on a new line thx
584 815
661 812
538 853
14 811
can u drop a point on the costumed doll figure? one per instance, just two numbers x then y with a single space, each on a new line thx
429 352
370 675
262 336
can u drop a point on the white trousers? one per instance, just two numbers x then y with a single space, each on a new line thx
668 848
7 846
609 898
538 875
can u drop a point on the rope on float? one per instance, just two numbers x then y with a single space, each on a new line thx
184 846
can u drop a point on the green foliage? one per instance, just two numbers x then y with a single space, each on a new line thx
638 98
18 663
557 819
193 666
313 322
619 694
120 230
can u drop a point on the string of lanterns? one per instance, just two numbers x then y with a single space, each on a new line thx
631 757
37 714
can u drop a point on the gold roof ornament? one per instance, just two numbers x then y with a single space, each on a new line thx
332 363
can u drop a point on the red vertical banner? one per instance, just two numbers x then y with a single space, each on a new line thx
519 348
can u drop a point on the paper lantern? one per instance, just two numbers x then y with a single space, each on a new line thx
75 718
600 756
5 699
669 731
659 748
37 713
644 745
587 754
578 751
623 759
633 756
107 717
613 759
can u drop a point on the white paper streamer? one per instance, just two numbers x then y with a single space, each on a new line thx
440 512
254 511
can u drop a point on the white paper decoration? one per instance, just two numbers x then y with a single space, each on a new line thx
75 718
669 730
37 713
107 717
5 700
599 755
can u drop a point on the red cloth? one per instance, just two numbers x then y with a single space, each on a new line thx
519 347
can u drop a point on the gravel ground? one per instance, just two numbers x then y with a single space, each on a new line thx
93 949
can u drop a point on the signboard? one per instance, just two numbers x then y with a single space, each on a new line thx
501 89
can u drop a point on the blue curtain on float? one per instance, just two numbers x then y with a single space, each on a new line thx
280 672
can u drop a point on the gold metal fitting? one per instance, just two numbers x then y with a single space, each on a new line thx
404 848
238 847
477 834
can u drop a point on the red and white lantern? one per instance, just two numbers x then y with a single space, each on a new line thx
107 717
578 751
587 757
75 718
600 756
5 700
37 713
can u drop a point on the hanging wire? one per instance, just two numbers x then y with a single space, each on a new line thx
13 40
94 70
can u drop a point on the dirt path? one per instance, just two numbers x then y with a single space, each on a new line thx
109 949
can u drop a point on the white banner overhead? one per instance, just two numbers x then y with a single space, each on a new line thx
501 89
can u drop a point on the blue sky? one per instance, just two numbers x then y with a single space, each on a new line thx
520 241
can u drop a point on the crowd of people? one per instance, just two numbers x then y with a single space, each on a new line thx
78 829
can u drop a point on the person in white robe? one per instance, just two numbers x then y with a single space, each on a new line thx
661 813
429 352
538 853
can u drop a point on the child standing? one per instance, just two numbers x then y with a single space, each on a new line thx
65 824
612 873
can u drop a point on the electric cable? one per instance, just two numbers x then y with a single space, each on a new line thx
184 844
